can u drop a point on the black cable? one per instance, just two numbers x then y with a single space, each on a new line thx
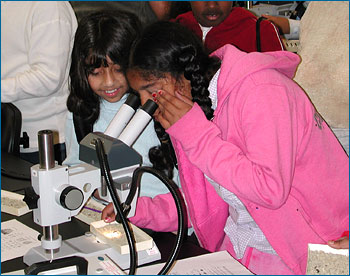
179 206
122 214
104 167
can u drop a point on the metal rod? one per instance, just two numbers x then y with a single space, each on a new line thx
47 162
103 186
46 149
50 233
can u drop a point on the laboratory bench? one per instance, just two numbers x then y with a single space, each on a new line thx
164 241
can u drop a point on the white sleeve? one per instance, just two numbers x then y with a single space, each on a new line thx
49 44
294 26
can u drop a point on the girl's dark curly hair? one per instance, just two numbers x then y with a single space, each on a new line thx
166 47
99 35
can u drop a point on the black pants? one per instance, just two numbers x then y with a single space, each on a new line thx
33 157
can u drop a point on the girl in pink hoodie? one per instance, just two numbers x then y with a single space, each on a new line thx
261 172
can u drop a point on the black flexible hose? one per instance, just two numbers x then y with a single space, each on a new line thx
104 167
182 215
136 179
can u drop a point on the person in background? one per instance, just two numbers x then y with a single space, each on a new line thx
218 23
324 70
36 44
146 11
162 9
98 87
252 151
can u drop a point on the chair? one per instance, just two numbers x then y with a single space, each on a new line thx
11 124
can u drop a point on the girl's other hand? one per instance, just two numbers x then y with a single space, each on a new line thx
108 214
172 107
341 243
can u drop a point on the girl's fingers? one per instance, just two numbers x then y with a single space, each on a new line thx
164 117
171 107
183 98
108 214
170 112
174 103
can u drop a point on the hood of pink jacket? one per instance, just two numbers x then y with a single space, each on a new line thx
240 65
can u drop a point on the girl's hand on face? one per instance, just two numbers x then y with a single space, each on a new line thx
171 107
108 214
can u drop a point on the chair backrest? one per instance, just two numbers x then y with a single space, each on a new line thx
11 124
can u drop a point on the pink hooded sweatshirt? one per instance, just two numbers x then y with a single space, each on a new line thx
268 146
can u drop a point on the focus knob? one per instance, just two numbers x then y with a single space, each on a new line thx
71 198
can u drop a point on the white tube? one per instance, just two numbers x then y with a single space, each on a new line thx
119 121
123 116
138 123
135 127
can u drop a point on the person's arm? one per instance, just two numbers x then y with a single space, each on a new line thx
281 22
49 42
161 9
289 27
158 213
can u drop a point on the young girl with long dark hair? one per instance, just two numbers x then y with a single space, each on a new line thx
261 172
98 87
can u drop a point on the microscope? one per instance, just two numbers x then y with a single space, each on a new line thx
59 192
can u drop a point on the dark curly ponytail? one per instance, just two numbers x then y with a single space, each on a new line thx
163 157
194 71
167 47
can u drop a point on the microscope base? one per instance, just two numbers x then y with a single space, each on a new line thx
86 246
